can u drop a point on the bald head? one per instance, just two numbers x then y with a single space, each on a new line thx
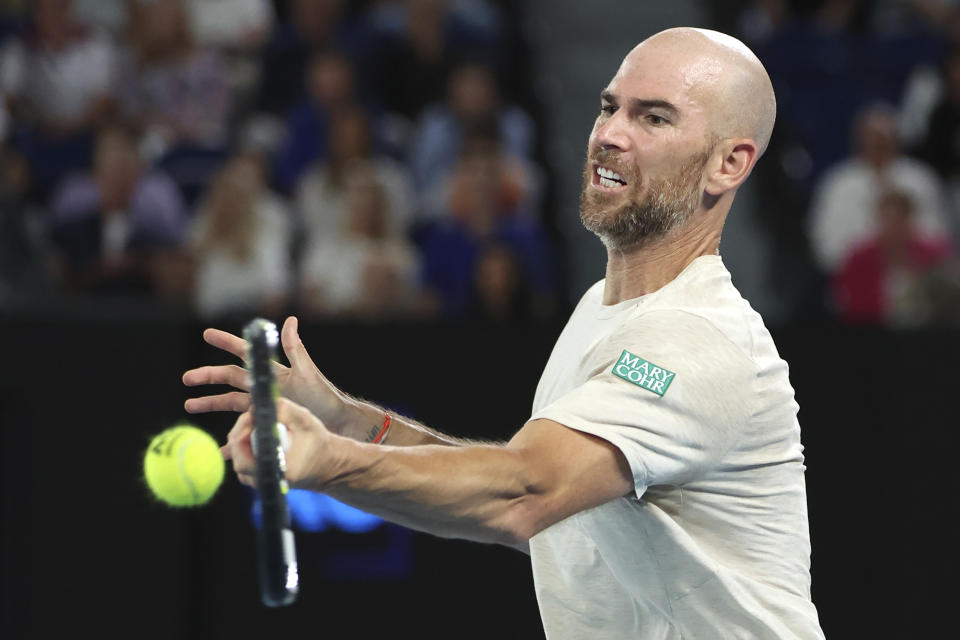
720 73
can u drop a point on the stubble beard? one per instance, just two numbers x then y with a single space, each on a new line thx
667 203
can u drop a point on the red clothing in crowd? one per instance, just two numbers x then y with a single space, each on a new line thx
862 285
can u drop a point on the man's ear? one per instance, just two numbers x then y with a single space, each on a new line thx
736 160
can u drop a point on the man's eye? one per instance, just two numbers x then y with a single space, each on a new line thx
656 120
608 109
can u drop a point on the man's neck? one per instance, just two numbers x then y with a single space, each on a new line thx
644 268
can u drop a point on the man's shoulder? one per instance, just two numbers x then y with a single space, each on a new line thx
685 330
705 308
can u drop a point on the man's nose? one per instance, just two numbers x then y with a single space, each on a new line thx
611 134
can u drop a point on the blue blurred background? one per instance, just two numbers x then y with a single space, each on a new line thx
404 176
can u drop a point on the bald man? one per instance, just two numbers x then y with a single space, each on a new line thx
659 483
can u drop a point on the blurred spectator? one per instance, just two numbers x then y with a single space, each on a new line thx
310 26
241 241
59 75
25 270
926 86
321 192
882 279
110 16
481 138
58 78
845 200
754 20
500 294
331 91
230 25
179 94
421 43
472 97
412 66
107 224
941 145
364 270
482 212
836 53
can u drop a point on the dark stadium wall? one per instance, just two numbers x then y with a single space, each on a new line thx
84 547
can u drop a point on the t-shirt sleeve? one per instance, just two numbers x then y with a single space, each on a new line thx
669 390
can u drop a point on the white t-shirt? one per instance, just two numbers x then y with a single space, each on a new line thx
714 544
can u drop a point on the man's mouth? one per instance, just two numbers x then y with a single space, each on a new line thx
607 178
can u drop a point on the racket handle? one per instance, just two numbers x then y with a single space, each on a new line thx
279 577
278 567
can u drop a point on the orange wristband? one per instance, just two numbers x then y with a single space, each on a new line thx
383 429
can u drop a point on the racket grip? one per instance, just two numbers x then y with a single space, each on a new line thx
279 577
278 567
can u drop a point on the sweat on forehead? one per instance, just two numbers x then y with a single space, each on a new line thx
715 70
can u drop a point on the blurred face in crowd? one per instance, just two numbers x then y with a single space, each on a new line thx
52 21
161 28
472 92
316 20
425 26
497 277
365 203
895 217
480 191
330 80
877 140
230 203
116 167
680 100
350 136
483 170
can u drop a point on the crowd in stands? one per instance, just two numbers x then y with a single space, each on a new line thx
861 187
375 158
359 159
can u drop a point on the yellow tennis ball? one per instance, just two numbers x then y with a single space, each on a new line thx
183 466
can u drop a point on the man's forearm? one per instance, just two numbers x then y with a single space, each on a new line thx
476 492
364 420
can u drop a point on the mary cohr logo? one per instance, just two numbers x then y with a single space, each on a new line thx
643 373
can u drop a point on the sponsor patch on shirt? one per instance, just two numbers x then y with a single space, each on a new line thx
643 373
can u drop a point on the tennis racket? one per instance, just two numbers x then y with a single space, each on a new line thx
277 556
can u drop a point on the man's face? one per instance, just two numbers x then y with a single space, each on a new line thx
648 149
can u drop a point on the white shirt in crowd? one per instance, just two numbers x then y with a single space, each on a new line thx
229 23
59 85
713 544
225 284
334 271
323 205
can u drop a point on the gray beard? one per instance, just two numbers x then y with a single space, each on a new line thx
668 203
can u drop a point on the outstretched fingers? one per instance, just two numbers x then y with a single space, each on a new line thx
236 401
230 374
293 346
226 341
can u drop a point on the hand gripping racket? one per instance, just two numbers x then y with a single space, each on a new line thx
277 556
